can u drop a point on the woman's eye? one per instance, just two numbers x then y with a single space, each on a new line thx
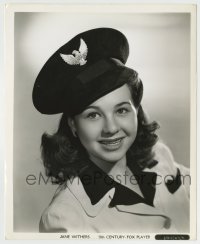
93 115
122 111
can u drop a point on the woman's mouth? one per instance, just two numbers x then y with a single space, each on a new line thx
112 144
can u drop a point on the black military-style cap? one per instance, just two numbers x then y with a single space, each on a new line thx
87 67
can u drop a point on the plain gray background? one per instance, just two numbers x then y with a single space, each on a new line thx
159 51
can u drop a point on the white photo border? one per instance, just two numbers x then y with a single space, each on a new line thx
10 10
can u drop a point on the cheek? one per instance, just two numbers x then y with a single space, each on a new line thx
88 132
130 125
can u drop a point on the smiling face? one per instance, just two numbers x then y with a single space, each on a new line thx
107 127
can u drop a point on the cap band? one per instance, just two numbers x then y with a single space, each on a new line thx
94 71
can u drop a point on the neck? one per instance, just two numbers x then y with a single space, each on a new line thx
111 168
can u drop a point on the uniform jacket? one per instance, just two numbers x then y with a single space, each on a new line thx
79 206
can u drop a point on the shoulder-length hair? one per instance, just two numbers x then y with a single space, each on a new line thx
64 156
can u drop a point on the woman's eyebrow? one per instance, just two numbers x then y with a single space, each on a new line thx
123 103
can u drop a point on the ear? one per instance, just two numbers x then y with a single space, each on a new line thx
71 124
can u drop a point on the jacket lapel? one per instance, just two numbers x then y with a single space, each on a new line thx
77 189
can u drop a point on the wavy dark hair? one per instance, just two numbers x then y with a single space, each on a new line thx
64 156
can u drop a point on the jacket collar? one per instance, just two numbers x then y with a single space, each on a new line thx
97 183
92 210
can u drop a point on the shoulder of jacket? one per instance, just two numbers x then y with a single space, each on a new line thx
63 211
166 161
166 164
162 151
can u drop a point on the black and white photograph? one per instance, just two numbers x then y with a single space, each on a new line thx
101 122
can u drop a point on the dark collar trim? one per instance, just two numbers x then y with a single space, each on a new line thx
97 183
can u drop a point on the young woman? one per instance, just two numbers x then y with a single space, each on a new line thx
114 174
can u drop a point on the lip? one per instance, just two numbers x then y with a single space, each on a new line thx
113 140
112 144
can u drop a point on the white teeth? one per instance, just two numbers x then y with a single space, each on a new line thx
111 143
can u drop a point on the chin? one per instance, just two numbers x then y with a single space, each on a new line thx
112 157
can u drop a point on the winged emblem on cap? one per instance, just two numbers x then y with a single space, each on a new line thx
77 57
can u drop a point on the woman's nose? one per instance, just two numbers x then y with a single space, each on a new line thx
110 127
